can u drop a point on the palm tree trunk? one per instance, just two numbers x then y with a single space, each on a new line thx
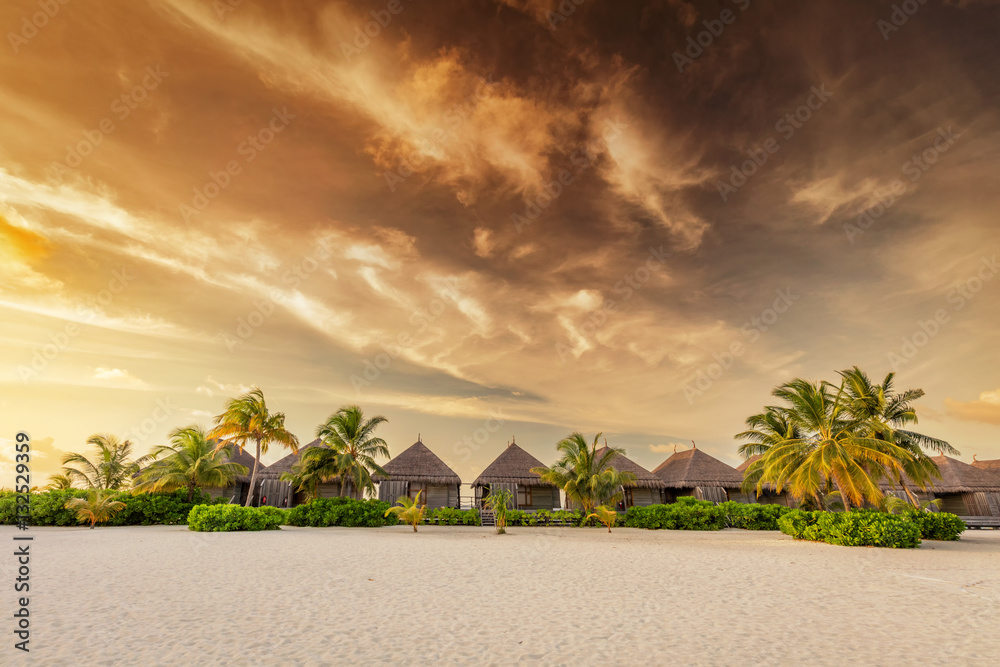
253 476
191 491
913 498
843 498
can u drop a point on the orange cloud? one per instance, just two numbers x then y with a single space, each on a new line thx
985 410
24 243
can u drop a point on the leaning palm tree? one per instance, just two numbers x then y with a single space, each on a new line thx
885 412
96 508
832 448
247 419
351 450
111 468
190 461
766 429
585 474
59 483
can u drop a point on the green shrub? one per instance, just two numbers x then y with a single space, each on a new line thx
325 512
858 528
225 518
753 516
141 509
450 516
688 513
937 525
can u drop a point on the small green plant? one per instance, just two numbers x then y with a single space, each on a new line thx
408 510
96 508
498 501
605 515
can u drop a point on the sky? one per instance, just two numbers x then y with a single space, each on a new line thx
494 220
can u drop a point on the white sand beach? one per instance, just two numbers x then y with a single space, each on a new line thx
163 595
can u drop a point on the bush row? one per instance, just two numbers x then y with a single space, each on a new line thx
688 513
226 518
753 517
141 509
325 512
871 528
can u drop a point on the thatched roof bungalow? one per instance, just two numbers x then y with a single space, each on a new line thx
966 490
512 471
695 473
419 469
647 488
237 491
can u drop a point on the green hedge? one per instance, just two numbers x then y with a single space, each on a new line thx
141 509
449 516
688 513
937 525
753 516
225 518
324 512
858 528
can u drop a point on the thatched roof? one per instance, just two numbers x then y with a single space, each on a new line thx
284 464
513 466
746 464
989 464
643 478
956 477
419 464
694 468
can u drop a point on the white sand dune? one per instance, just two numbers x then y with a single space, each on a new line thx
163 595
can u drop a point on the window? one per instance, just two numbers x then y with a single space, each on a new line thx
524 496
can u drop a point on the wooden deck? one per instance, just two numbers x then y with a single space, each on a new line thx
980 522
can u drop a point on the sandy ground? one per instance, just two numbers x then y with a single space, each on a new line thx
163 595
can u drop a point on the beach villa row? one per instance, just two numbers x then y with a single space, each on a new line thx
964 489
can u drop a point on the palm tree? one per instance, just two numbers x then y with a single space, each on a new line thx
247 419
96 508
605 515
302 480
59 483
112 468
499 501
884 412
766 429
830 447
351 450
409 510
586 476
189 461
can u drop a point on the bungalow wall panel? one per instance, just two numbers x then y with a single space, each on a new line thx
328 490
953 503
645 497
437 496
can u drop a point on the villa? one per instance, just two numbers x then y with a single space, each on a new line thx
418 469
695 473
511 470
